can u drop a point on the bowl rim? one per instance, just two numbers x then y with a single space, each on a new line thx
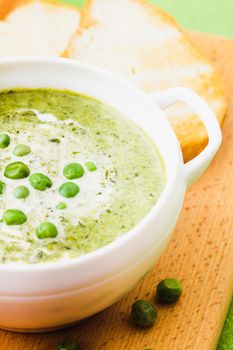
136 230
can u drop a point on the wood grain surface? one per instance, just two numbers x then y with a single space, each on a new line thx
200 255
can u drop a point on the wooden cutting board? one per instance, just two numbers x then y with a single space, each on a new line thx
200 255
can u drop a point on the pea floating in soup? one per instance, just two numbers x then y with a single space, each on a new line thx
75 174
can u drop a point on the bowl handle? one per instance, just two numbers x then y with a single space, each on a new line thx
195 167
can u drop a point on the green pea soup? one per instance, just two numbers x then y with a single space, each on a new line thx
88 172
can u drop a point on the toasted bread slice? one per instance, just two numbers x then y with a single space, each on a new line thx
36 27
143 44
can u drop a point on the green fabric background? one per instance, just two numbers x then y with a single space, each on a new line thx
211 16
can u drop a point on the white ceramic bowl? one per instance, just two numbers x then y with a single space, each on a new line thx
44 296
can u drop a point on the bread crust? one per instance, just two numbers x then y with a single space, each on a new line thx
7 6
86 21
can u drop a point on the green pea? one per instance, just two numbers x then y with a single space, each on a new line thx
21 150
46 230
67 344
91 166
21 192
4 140
16 170
143 313
168 290
69 189
61 205
40 181
2 187
14 217
55 140
73 171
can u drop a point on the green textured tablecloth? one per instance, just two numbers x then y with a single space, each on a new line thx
211 16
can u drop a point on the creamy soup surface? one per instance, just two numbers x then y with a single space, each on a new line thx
114 173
